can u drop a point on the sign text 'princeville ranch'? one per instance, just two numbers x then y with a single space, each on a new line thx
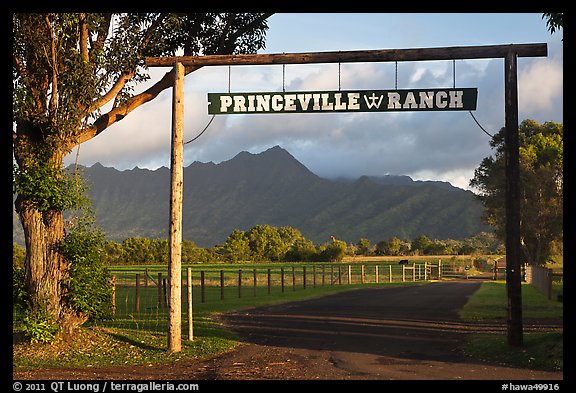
343 101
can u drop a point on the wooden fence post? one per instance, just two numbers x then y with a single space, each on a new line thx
314 276
332 274
255 282
159 284
113 285
269 280
362 274
376 273
137 300
164 294
304 276
239 283
190 319
323 274
495 275
439 269
349 274
282 278
293 278
221 284
202 287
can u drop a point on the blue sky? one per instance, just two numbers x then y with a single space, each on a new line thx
444 146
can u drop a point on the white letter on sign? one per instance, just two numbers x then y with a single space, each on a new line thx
225 103
277 102
441 99
394 101
353 101
410 101
290 105
426 99
456 99
304 100
239 104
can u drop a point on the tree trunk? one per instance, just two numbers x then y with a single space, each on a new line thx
45 268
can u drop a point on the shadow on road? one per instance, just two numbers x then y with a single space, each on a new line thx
412 322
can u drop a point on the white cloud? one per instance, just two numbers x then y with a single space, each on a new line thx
540 86
441 145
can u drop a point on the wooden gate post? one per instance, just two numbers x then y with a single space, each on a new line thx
512 202
175 232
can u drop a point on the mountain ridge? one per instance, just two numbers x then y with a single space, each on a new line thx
272 187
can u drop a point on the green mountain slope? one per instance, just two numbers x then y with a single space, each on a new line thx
273 188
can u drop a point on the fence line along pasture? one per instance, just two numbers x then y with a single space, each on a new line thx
141 292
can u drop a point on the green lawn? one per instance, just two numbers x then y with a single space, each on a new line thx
140 339
540 350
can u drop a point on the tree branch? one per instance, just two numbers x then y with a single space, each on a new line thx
167 81
118 113
238 33
83 38
54 98
125 77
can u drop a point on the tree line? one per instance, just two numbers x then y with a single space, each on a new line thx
264 243
269 243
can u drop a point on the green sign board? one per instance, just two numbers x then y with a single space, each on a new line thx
343 101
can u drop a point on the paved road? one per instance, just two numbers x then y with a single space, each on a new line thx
400 333
411 332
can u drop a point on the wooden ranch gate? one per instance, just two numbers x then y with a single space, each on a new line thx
183 65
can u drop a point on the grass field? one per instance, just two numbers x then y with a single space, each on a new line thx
140 338
541 350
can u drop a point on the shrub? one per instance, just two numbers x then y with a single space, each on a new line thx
89 286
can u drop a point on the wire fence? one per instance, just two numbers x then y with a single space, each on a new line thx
141 293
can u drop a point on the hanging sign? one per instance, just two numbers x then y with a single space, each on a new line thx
343 101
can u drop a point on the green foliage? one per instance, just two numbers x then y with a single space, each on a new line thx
554 21
287 244
237 247
333 251
542 187
48 186
89 286
18 255
364 247
38 324
19 294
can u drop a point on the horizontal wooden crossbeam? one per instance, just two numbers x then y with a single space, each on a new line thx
359 56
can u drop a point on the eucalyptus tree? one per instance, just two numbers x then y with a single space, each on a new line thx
541 184
74 76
